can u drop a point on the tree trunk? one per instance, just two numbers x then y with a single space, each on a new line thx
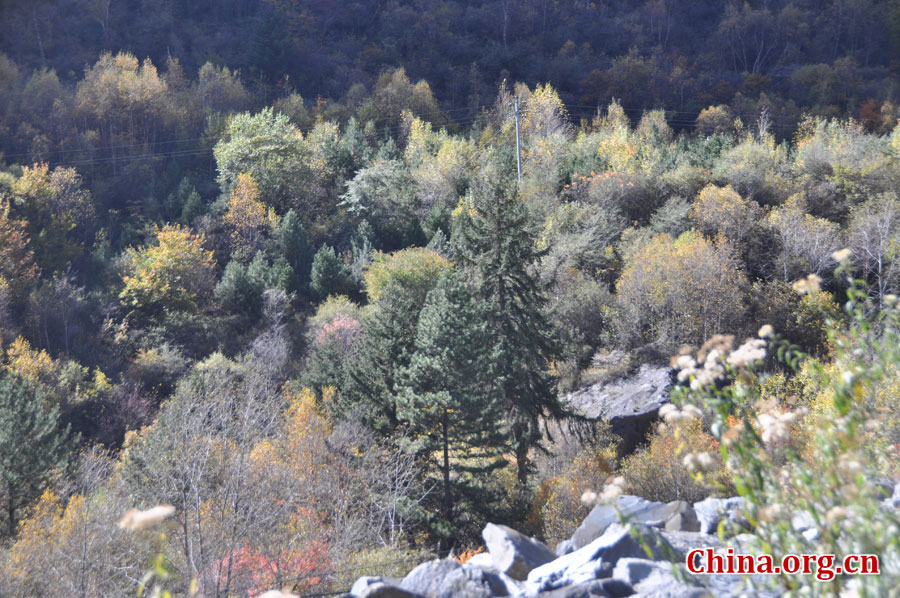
448 498
519 435
11 510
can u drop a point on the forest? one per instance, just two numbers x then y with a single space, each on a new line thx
280 266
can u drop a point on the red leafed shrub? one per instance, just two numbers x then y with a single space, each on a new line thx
256 571
343 328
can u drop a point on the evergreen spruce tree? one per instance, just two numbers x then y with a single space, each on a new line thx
446 401
494 238
328 275
386 345
237 291
294 245
32 446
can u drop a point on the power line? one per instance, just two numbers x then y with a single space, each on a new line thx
112 147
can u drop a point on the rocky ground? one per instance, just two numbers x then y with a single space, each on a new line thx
635 548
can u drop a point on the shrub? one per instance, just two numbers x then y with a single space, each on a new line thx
237 291
825 464
415 270
715 119
561 510
657 471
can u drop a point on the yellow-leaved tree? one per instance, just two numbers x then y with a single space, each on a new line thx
245 217
677 291
175 273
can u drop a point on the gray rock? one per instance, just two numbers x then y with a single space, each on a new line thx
500 583
364 582
513 553
472 581
428 578
802 521
812 534
635 570
616 588
673 590
713 510
805 523
679 516
379 589
632 508
651 578
565 547
597 559
445 578
630 404
601 588
483 560
684 542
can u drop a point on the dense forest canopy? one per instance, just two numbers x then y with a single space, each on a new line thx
682 56
274 264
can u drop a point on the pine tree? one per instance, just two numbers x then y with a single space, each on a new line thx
237 291
494 238
294 245
387 342
32 446
328 275
446 401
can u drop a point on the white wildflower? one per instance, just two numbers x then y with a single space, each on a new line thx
685 374
771 512
712 358
685 362
842 255
766 331
691 412
750 352
699 461
890 300
810 284
776 428
850 464
613 490
589 498
135 520
670 413
707 376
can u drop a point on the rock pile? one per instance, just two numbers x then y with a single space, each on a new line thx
630 405
642 558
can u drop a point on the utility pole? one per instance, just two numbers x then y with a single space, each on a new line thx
518 143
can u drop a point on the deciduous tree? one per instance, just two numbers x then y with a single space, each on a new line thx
175 273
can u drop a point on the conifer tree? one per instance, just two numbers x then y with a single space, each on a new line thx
294 245
446 400
32 446
328 275
237 291
387 342
494 238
